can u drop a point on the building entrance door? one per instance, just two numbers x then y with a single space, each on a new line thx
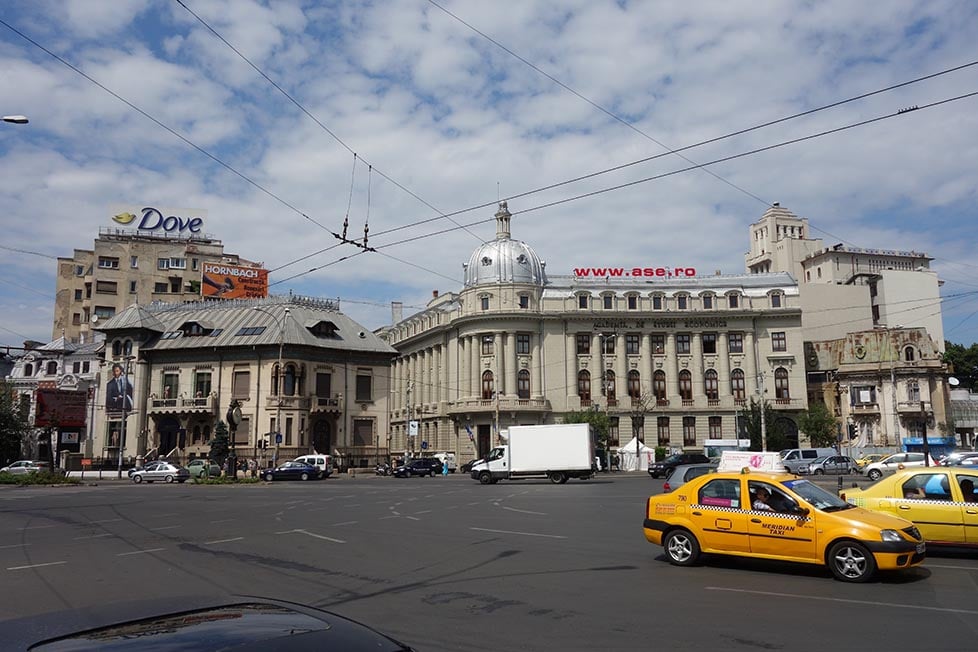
322 437
483 440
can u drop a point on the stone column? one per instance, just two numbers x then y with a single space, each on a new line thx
476 375
497 372
511 371
571 362
672 370
723 365
465 381
621 370
596 366
696 366
750 382
646 364
536 367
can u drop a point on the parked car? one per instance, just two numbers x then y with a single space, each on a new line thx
940 500
668 465
420 467
292 471
795 459
834 464
684 473
201 468
162 471
961 458
321 462
894 462
23 467
866 460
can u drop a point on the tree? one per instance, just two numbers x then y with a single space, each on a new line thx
220 444
14 428
963 363
600 423
776 437
820 425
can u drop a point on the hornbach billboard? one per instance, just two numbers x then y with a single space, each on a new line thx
59 408
222 281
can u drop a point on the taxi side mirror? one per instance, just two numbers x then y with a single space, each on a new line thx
802 511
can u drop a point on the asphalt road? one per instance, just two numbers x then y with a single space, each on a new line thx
449 564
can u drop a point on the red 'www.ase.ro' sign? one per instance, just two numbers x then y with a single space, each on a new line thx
661 272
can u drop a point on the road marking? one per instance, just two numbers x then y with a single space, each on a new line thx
345 523
523 511
318 536
526 534
50 563
94 536
225 520
211 543
424 511
970 568
412 518
36 527
139 552
15 545
107 520
165 527
868 603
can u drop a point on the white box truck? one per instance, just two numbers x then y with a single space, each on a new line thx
557 452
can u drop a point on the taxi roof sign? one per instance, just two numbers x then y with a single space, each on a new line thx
741 461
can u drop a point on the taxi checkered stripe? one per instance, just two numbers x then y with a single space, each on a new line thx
912 501
751 512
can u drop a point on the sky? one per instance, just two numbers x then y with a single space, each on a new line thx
281 119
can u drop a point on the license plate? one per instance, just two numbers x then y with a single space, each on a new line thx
921 547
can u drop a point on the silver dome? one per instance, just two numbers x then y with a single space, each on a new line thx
504 260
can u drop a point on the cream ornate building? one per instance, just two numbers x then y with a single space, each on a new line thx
672 359
299 367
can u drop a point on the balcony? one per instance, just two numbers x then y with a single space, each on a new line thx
866 408
688 402
288 402
913 407
661 402
505 404
713 402
325 404
182 405
786 403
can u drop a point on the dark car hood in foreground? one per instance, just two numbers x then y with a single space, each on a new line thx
238 623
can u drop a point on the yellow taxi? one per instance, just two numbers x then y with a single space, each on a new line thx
940 500
866 460
761 511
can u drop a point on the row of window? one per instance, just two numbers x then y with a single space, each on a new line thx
866 394
682 301
735 343
711 385
51 368
663 426
112 262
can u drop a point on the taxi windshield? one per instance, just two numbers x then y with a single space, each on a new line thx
816 496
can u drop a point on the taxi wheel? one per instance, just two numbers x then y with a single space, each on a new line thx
681 548
851 562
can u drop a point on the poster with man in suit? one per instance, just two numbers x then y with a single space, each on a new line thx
118 391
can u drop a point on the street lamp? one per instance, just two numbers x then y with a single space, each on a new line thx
16 119
278 378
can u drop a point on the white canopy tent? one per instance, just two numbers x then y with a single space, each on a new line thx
630 461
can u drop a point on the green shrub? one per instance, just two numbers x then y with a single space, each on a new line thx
39 478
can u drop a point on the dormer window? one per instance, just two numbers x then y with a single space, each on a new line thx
323 328
484 302
486 261
522 259
775 299
582 301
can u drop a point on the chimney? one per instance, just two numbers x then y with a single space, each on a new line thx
434 294
397 311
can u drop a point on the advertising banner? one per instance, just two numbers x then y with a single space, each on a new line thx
60 408
220 281
180 222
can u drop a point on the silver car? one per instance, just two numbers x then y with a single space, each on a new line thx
23 467
684 473
163 471
834 464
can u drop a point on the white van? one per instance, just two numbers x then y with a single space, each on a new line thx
321 462
795 458
447 460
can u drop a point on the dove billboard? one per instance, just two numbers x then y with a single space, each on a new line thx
184 222
223 281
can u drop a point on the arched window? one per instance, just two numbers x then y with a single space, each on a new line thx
127 347
207 434
488 386
685 385
712 383
781 384
737 384
609 386
52 368
584 385
659 385
288 380
28 370
196 439
634 385
909 354
116 348
275 375
523 384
